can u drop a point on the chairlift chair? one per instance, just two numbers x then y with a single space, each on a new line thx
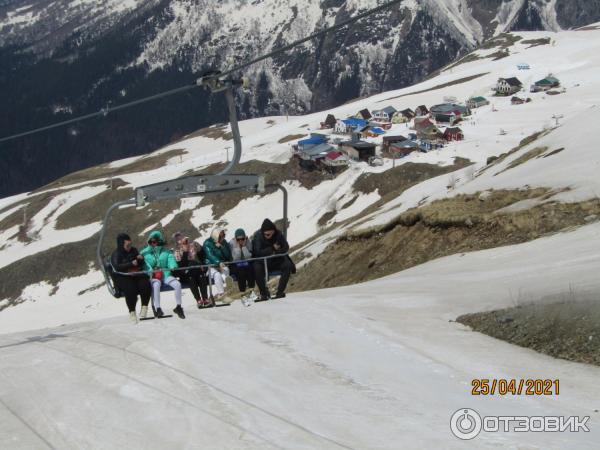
195 186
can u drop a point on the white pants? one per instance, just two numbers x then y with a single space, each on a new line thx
171 281
220 279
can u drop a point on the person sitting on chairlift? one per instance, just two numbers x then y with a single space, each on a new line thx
126 259
269 241
191 254
217 253
241 249
159 262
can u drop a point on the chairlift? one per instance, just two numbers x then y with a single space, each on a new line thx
196 186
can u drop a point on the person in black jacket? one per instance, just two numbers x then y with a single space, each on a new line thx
270 241
126 259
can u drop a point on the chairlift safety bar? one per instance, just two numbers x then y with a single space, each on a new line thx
198 185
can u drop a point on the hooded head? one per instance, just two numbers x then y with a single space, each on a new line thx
156 236
267 225
121 238
216 232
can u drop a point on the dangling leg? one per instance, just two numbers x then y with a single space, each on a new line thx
156 296
219 286
145 291
176 285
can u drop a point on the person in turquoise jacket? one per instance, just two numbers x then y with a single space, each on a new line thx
159 261
217 253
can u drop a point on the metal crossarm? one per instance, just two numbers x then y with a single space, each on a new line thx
199 185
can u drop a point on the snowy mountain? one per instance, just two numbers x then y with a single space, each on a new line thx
64 58
376 365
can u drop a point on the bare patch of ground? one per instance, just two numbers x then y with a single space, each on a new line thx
504 40
531 154
569 329
536 42
494 161
274 174
500 54
439 86
147 163
589 28
93 209
291 137
471 57
400 178
460 224
215 132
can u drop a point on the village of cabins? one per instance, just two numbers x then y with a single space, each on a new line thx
370 136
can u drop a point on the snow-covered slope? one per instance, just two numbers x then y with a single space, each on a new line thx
571 56
374 366
380 365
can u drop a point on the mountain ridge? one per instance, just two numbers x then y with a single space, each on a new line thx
61 60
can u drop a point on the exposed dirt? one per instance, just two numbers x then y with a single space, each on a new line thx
504 40
214 132
147 163
93 209
291 137
536 42
533 153
460 224
400 178
439 86
494 161
569 329
274 174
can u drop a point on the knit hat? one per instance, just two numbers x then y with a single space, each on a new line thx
268 225
240 233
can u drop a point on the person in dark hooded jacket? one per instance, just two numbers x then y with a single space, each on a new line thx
269 241
126 259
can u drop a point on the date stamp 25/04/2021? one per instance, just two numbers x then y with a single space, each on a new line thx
529 387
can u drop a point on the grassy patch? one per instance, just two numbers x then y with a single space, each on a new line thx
533 153
461 224
504 41
536 42
500 54
291 137
439 86
554 152
145 164
471 57
568 329
350 203
495 160
589 28
274 174
326 218
397 180
93 209
214 132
